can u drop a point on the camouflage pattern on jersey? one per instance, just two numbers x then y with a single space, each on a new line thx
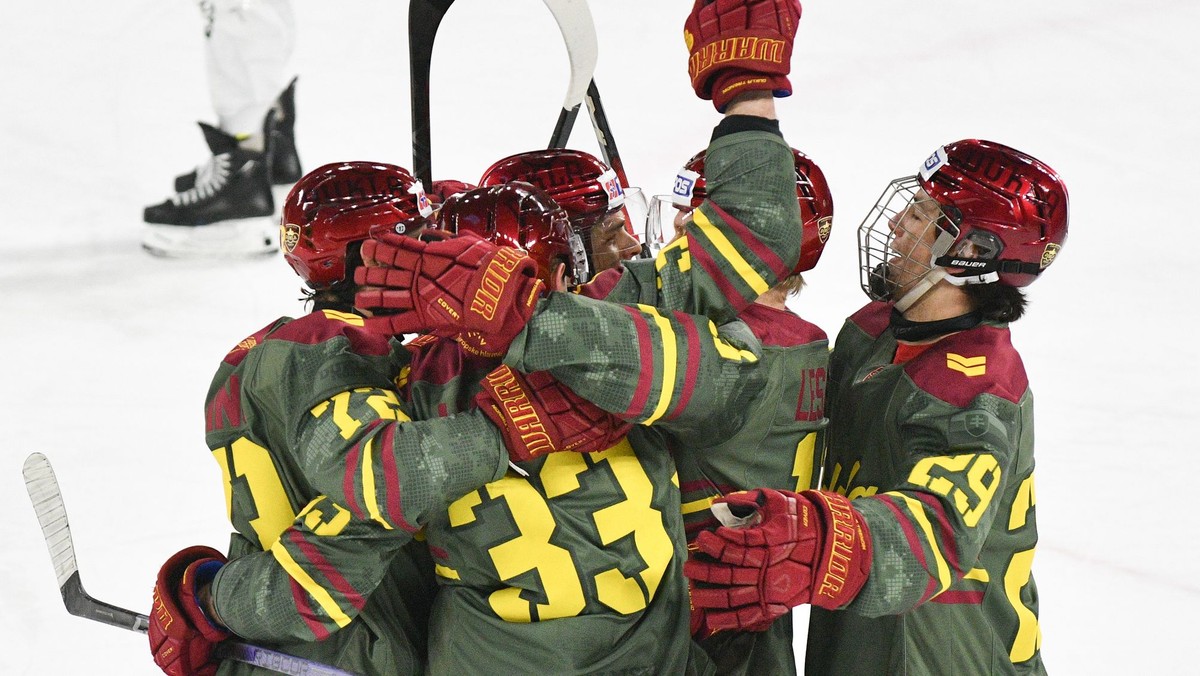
741 242
936 452
777 447
571 565
739 414
326 489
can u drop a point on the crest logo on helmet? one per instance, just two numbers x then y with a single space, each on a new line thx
1050 254
289 236
824 227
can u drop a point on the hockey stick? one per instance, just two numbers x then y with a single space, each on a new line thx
579 34
424 17
604 135
47 500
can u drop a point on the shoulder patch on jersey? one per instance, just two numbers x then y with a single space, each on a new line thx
971 367
965 365
872 318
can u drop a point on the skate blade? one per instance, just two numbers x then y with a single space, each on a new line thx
239 238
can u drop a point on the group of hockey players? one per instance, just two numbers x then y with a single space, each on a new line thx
590 460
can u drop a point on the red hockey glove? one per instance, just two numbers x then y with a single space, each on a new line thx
538 415
737 46
810 547
182 638
465 288
712 606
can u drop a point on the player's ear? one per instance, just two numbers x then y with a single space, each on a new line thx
561 280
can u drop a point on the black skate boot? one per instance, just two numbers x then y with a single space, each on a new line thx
227 212
282 159
279 139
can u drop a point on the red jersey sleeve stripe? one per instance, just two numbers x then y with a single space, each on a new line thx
349 481
700 256
641 393
392 479
328 570
959 598
945 530
300 597
692 338
751 242
914 542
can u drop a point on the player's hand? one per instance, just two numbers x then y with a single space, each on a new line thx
537 415
464 288
788 549
182 638
737 46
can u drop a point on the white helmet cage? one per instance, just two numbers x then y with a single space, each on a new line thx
882 269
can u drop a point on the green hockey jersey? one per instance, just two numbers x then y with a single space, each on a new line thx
778 446
934 446
326 482
741 403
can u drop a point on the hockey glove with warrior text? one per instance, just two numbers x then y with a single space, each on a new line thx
794 548
464 288
182 638
737 46
538 415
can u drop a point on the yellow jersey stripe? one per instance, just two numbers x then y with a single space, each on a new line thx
370 496
918 511
697 505
310 585
670 351
730 253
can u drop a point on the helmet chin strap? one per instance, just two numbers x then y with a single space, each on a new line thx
924 284
937 274
985 278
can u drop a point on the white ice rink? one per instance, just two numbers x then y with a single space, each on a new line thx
108 352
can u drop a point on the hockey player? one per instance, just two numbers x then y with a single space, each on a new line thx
326 480
224 208
560 567
641 362
589 191
779 444
917 555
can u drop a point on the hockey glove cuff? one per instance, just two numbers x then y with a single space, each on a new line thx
538 415
785 549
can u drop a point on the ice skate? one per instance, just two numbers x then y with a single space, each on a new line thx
279 133
227 212
282 159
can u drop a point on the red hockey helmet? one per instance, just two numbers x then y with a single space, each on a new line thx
812 191
1011 207
584 186
337 204
519 215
